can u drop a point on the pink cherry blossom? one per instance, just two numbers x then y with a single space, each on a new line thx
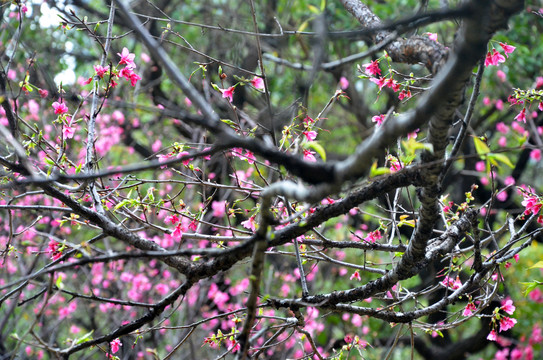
532 203
343 83
310 135
173 219
127 58
535 154
60 108
68 131
502 354
378 119
536 337
308 120
356 275
521 116
228 93
134 79
507 323
250 157
100 70
507 49
404 94
379 81
431 36
372 68
494 58
43 93
501 75
258 83
218 208
309 155
502 196
177 233
508 306
492 336
54 250
249 223
373 236
501 127
480 166
115 345
470 308
452 283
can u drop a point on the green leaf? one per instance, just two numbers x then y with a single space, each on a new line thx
121 204
481 147
59 283
303 26
537 265
84 338
313 9
413 145
530 286
375 171
318 148
323 5
501 158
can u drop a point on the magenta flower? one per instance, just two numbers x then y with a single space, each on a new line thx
431 36
308 120
494 58
115 345
228 93
43 93
250 157
470 308
258 83
497 58
60 108
344 83
173 219
310 135
508 306
492 336
507 49
372 68
177 232
378 81
532 203
501 127
507 323
309 156
218 208
54 250
356 276
452 283
127 58
249 224
101 71
373 236
521 116
378 119
535 154
404 94
68 131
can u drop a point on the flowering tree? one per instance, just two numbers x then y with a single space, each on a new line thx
270 180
